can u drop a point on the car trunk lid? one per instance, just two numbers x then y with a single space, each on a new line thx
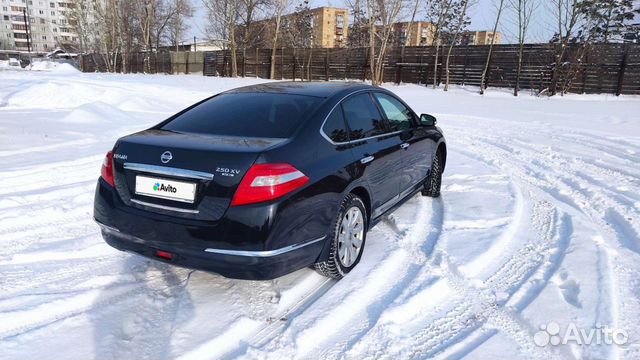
184 175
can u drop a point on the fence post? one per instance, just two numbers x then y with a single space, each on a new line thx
255 63
464 69
326 65
346 63
244 60
585 71
294 64
623 67
488 74
440 66
281 63
186 62
399 62
365 65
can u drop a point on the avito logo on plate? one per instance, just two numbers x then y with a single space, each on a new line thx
162 187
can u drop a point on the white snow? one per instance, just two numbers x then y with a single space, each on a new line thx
48 65
539 221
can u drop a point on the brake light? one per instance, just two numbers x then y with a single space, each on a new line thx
164 254
107 169
265 182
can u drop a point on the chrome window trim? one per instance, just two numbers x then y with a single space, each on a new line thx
163 170
164 207
326 137
266 253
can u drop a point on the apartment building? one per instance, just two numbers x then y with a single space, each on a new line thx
480 37
46 20
329 27
418 33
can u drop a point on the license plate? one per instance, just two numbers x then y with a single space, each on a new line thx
165 189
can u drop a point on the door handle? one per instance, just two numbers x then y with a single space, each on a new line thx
366 159
404 145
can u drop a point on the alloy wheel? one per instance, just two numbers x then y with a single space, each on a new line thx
350 236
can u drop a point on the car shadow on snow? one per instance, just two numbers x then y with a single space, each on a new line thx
134 315
160 311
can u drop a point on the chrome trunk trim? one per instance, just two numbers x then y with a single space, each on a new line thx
266 253
163 170
164 207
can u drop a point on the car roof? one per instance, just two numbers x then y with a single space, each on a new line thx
323 89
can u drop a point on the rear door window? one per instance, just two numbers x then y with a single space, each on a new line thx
400 117
363 117
246 115
335 127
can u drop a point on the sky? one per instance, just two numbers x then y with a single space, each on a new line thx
482 13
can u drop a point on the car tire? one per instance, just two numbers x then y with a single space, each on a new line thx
348 230
434 181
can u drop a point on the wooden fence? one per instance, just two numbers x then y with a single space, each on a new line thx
606 68
152 62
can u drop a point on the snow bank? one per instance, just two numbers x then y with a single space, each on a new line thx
9 65
96 112
52 66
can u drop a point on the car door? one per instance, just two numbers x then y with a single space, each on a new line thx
375 147
417 146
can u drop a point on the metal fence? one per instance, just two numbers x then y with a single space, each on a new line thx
604 68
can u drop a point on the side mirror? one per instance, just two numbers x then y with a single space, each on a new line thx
427 120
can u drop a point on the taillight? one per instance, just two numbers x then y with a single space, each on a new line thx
164 254
265 182
107 169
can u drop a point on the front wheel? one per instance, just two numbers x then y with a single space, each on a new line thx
348 235
434 181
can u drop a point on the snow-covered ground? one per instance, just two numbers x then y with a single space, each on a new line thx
538 224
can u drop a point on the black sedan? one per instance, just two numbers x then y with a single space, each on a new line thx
260 181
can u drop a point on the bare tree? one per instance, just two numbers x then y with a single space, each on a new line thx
411 23
359 28
223 20
117 28
382 14
459 24
165 12
248 35
569 20
439 14
483 78
524 10
278 7
183 9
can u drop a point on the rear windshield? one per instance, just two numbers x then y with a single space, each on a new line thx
246 115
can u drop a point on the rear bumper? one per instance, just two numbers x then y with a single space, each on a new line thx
194 244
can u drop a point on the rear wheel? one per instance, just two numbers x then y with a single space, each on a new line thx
434 181
347 238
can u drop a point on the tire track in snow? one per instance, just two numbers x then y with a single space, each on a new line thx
617 227
474 307
393 272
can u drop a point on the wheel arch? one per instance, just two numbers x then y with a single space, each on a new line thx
442 149
363 193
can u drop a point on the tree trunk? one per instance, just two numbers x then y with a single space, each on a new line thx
232 38
493 40
519 71
453 42
436 40
372 44
413 18
272 72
